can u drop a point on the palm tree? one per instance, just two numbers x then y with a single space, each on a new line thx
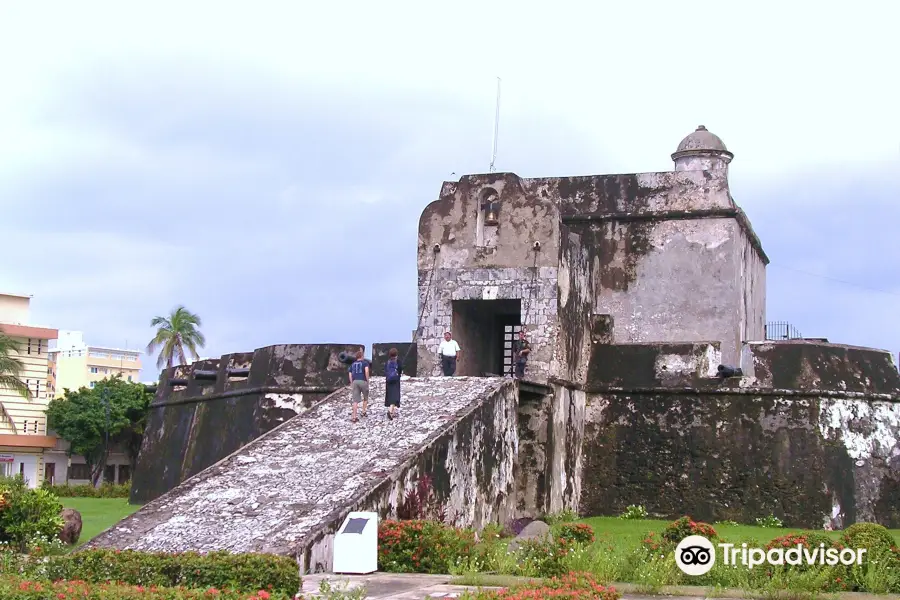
175 333
10 370
11 367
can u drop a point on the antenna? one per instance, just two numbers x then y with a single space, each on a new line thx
496 127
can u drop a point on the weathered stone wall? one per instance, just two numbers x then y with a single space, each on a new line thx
482 262
194 426
669 252
813 436
752 280
287 491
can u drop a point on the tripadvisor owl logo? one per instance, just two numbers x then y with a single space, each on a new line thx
695 555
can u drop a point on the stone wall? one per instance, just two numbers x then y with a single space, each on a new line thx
812 437
193 426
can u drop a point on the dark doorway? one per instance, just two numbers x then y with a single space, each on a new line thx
485 330
50 473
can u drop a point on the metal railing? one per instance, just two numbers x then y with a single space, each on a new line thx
782 330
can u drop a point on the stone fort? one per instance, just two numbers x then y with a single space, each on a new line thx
650 382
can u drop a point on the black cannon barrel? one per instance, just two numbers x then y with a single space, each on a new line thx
729 371
150 389
178 381
238 372
347 358
207 375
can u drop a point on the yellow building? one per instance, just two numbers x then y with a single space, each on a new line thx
23 422
74 364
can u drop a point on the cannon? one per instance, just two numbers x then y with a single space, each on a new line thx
729 371
348 358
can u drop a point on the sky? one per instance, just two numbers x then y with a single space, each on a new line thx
266 166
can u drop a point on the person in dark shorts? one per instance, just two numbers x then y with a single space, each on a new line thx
522 350
359 383
392 372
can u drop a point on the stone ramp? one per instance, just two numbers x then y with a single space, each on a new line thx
286 491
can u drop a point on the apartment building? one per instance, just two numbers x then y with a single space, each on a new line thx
74 364
23 421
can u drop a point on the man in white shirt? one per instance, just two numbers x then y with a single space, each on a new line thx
449 352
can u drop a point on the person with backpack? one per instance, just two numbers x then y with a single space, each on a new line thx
359 383
392 371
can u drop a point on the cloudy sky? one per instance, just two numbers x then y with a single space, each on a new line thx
267 166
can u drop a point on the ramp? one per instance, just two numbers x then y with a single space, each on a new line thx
288 490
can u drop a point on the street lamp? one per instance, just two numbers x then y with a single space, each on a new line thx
104 397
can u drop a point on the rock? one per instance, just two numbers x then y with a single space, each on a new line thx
536 530
71 530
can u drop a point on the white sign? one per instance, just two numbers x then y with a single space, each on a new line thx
356 544
6 458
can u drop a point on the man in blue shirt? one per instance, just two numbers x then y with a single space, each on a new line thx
359 383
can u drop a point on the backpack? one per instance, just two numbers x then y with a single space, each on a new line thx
392 371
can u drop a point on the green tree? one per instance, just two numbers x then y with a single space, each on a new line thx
11 369
174 333
80 417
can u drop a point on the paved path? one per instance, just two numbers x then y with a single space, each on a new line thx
411 587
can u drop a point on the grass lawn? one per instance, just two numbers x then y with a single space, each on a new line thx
98 514
629 532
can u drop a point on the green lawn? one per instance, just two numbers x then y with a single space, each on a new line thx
98 514
631 532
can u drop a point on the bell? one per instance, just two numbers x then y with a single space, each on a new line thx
491 217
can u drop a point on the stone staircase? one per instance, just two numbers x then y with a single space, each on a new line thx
287 491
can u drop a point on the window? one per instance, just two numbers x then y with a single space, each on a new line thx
29 345
95 370
129 378
79 472
93 383
124 473
39 346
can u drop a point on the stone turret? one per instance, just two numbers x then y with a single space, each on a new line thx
701 151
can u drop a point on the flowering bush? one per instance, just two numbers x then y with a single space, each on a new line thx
681 528
24 589
106 490
221 570
770 521
579 533
876 539
634 511
572 586
422 546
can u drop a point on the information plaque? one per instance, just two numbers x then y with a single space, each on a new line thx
356 544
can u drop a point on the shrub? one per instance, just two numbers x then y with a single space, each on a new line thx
24 589
876 539
27 514
578 533
681 528
421 504
572 586
422 546
106 490
810 540
634 511
563 516
221 570
771 521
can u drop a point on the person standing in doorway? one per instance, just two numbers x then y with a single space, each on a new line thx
522 350
359 383
392 371
449 352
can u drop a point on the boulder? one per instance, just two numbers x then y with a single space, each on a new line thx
71 530
536 530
